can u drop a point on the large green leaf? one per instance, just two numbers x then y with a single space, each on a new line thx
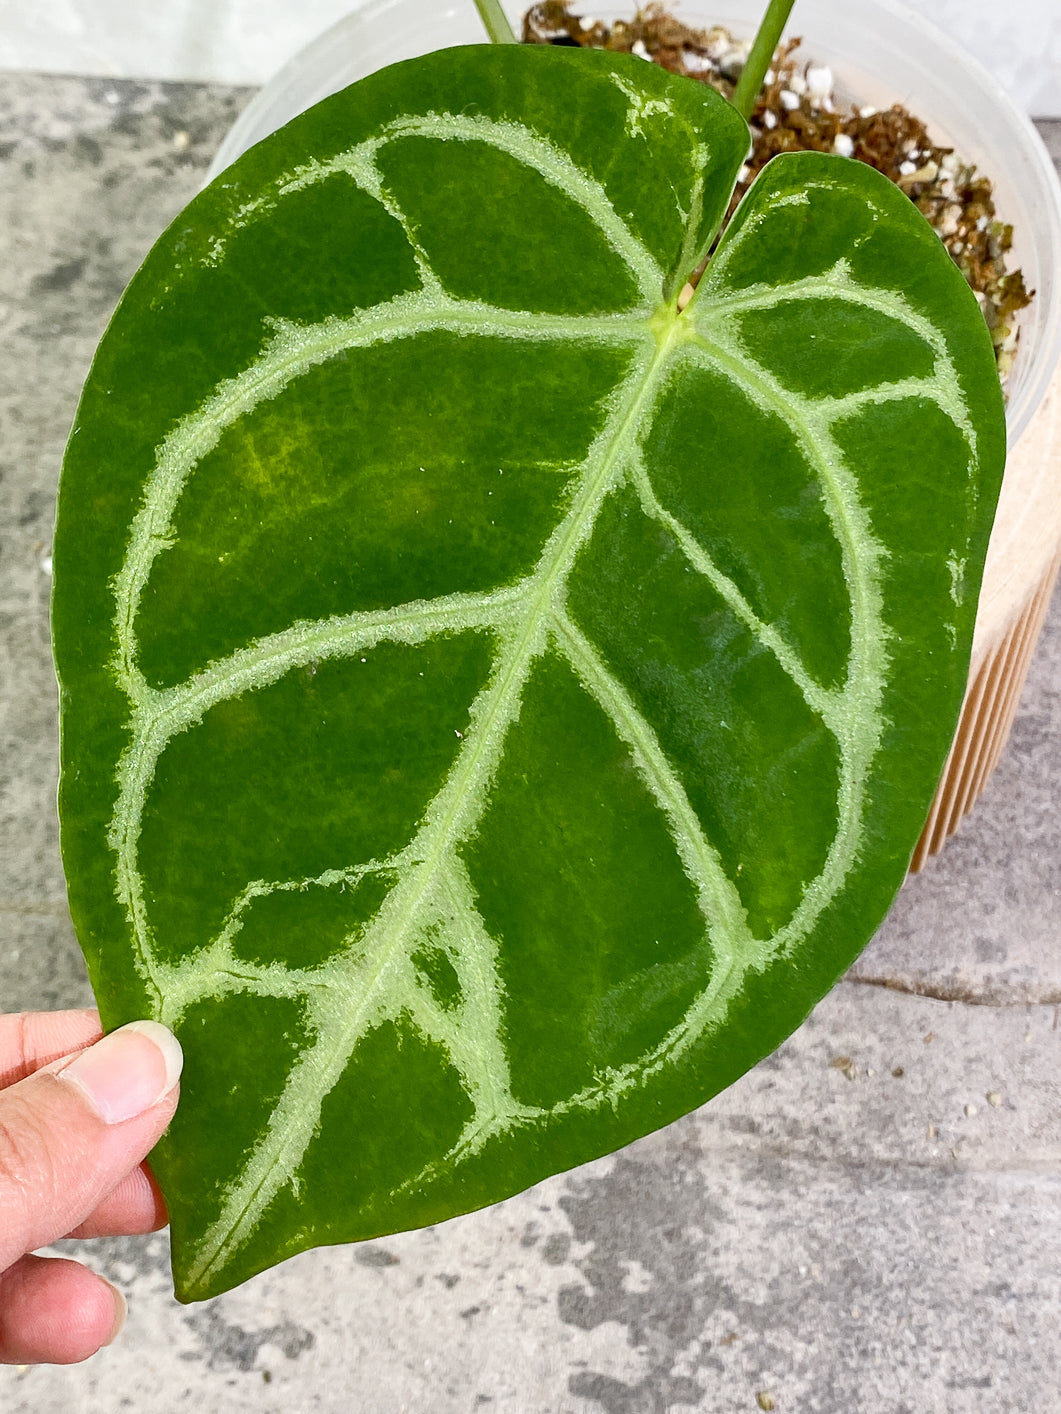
496 705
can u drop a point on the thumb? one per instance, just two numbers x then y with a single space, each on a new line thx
71 1132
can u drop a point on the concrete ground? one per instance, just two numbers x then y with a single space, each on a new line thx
868 1223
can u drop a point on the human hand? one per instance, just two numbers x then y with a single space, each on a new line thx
77 1116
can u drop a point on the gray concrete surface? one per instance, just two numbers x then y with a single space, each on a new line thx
868 1223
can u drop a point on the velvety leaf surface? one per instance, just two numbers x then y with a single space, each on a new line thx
496 706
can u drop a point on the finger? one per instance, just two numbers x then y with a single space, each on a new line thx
71 1132
55 1311
32 1039
135 1206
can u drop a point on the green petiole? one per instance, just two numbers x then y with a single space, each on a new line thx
761 56
495 22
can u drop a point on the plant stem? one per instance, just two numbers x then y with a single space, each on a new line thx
762 53
495 22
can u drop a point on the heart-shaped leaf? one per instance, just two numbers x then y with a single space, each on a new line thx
497 705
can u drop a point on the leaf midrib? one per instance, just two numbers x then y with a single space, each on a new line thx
452 820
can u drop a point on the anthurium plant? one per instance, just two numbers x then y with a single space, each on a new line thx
499 694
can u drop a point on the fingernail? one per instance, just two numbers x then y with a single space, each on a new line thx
128 1071
121 1310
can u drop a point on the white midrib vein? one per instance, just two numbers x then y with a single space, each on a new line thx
345 999
451 819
